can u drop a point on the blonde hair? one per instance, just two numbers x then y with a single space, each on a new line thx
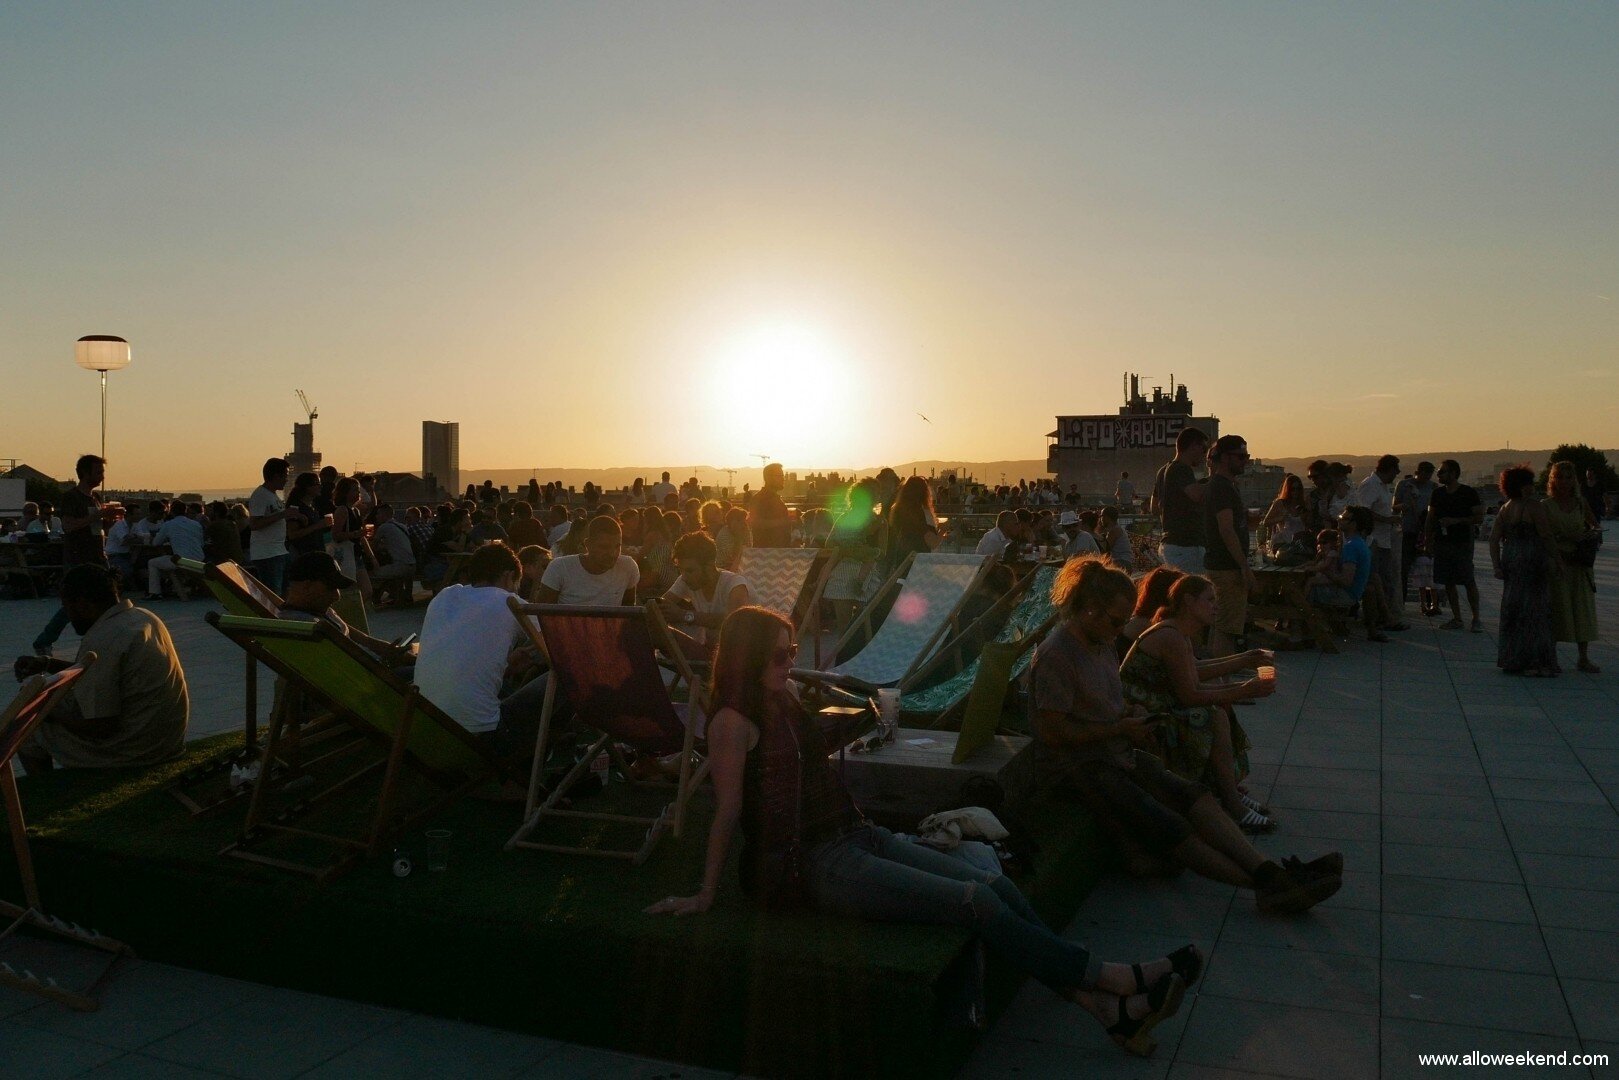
1088 582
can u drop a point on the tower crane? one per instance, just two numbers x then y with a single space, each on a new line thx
309 410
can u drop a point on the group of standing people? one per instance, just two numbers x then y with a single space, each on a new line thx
1544 551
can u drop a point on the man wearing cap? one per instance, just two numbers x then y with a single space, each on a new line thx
1225 524
1412 494
131 706
314 583
1079 540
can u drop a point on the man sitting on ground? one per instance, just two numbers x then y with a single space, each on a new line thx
703 595
1342 586
399 572
131 706
603 576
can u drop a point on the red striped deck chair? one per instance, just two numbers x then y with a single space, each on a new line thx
34 699
605 662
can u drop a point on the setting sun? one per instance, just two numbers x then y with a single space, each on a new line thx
782 389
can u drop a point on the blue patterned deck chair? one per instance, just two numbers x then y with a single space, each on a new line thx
1032 615
931 589
789 581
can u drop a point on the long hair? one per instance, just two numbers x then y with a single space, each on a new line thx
1153 592
1183 592
747 638
1089 581
1560 474
914 496
1292 493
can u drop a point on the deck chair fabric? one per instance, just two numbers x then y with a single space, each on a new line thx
932 589
27 710
605 668
778 577
237 590
326 666
1028 622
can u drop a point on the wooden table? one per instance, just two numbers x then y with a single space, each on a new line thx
1282 592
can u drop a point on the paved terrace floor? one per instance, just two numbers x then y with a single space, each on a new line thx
1480 908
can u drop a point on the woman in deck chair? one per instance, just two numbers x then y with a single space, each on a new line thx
806 843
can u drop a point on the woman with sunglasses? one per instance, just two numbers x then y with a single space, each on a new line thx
806 843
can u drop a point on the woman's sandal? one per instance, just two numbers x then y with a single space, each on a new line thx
1135 1036
1252 803
1253 822
1186 961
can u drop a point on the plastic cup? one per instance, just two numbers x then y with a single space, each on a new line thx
1266 673
888 712
438 849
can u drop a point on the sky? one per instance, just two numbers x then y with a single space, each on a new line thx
672 234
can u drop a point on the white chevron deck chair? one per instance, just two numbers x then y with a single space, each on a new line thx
790 581
605 661
931 589
34 699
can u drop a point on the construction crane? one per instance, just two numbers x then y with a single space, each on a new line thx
764 459
309 410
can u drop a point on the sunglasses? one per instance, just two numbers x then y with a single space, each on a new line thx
784 657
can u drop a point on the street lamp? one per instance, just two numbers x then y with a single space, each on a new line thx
102 353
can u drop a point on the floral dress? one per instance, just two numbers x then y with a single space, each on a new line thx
1187 737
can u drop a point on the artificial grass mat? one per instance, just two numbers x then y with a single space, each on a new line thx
552 944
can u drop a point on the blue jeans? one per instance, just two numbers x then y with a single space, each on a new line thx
272 572
871 874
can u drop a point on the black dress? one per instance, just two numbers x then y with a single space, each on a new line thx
1526 609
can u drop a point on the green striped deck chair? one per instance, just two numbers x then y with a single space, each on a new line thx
790 581
324 664
17 722
1032 615
931 589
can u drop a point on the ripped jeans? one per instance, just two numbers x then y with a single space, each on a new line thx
870 874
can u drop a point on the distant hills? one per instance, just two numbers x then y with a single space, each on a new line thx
1475 463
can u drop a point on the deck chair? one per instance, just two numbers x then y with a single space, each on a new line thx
790 581
1032 615
360 690
605 660
34 699
931 589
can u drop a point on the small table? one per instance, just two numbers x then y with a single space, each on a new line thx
1282 592
904 782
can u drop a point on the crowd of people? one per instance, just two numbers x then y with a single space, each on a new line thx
1132 696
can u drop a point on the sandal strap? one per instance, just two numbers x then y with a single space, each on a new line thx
1141 981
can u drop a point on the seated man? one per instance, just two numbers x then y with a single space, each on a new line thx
398 574
470 644
1089 746
1341 585
702 596
183 535
131 706
314 583
602 576
997 540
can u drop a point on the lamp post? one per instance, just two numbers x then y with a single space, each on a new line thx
102 353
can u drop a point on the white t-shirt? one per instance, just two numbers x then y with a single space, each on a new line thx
396 542
1081 543
559 534
580 588
466 635
184 537
144 531
658 492
992 543
718 604
270 541
1378 497
118 538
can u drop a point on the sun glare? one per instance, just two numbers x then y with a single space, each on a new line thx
781 389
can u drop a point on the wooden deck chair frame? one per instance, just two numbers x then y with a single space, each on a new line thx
943 638
975 635
394 731
34 699
240 593
805 613
531 617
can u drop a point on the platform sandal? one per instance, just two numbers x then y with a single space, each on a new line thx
1134 1036
1186 961
1253 822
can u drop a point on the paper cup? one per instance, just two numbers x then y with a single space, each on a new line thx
1266 673
888 710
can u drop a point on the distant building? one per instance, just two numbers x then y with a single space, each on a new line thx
303 457
1092 450
441 455
405 489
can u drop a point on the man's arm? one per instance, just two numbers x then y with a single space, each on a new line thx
546 595
1059 729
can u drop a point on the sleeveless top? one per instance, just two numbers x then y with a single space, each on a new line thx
791 802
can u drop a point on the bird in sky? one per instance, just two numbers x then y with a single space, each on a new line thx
925 418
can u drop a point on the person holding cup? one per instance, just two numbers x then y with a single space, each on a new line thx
1199 738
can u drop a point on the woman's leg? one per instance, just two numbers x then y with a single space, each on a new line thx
1223 764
